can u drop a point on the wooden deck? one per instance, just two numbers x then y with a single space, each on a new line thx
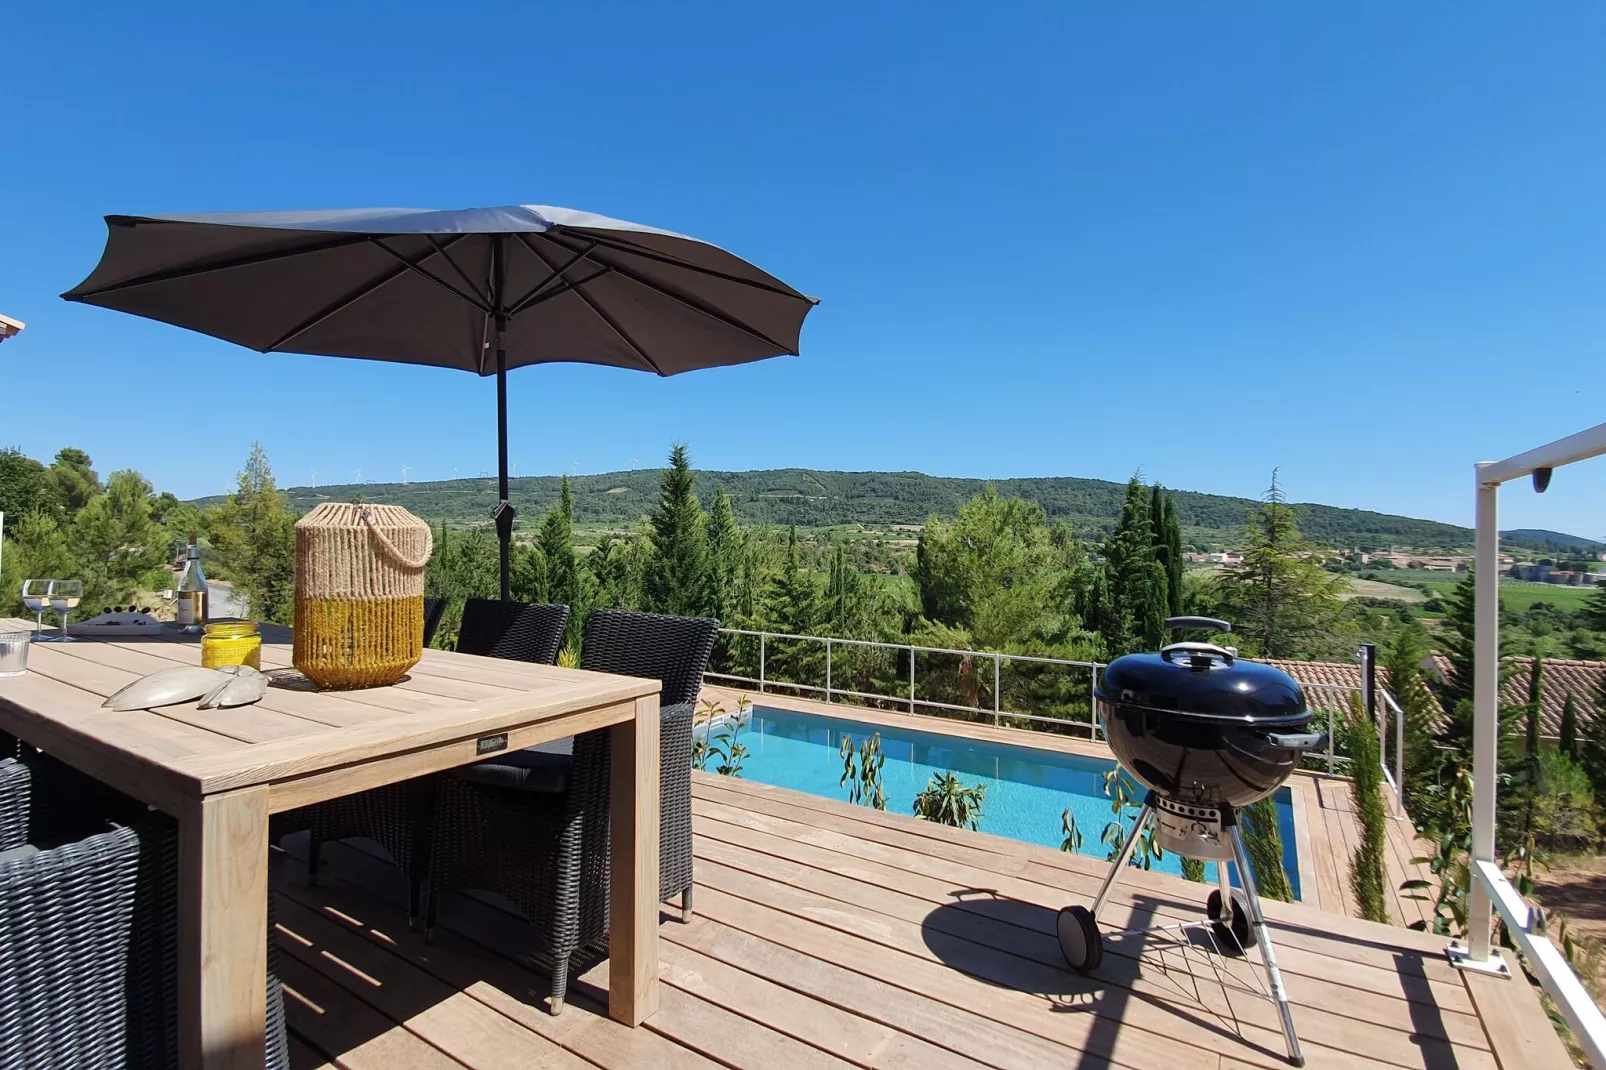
831 936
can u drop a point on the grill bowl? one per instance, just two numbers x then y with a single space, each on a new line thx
1204 728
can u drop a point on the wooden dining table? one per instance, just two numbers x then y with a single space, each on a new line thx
221 773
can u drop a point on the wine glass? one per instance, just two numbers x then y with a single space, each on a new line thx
35 595
64 597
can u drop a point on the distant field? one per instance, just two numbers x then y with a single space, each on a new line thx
1519 596
1375 589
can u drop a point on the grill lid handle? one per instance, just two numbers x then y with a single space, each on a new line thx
1202 652
1202 624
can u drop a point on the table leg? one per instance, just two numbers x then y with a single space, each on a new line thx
223 916
633 917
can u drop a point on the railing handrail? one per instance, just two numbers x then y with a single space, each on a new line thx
998 712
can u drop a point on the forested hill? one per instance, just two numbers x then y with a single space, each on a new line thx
812 499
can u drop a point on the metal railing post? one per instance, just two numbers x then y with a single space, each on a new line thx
911 679
761 637
1330 727
1399 757
828 669
997 706
1093 702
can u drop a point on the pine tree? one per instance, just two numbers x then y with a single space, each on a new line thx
35 546
1457 638
1403 658
1569 727
792 606
1280 598
676 580
528 580
1594 610
255 533
724 550
1592 745
24 486
556 541
72 480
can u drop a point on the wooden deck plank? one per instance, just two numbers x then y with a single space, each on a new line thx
1519 1030
348 1032
1025 928
446 1018
1170 895
1157 991
829 936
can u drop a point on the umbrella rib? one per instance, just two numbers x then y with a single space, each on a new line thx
352 298
379 243
691 303
675 261
529 299
441 247
536 299
221 265
611 323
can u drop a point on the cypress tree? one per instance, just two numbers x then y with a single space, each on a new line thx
1536 698
1569 727
1171 542
792 605
1134 616
676 580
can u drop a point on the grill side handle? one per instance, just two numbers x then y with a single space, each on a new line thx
1300 741
1200 624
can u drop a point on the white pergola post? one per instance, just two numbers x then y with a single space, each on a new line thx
1485 706
1491 891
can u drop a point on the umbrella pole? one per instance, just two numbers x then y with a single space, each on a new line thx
504 507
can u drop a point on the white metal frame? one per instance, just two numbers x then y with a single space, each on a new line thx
1490 889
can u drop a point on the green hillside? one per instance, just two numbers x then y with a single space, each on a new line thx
814 499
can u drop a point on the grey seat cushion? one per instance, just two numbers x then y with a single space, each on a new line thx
543 768
25 851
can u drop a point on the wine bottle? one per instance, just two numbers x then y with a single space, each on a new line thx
193 600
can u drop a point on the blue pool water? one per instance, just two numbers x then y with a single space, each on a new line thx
1027 789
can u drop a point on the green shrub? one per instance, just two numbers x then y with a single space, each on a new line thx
1263 840
947 800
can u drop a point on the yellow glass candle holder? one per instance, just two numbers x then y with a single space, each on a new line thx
231 643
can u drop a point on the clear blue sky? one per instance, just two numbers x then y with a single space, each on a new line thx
1364 244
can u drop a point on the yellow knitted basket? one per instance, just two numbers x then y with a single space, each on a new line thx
359 594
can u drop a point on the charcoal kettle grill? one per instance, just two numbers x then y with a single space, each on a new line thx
1207 734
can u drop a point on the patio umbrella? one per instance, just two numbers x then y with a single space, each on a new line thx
480 289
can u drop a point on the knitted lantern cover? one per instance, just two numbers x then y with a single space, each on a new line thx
359 594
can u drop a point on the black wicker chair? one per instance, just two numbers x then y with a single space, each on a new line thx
533 826
519 631
89 935
434 610
397 816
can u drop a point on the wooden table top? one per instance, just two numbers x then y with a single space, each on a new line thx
295 735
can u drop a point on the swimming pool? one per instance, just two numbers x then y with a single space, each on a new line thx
1027 789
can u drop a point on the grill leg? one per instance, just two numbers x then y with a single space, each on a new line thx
1257 919
1227 905
1125 857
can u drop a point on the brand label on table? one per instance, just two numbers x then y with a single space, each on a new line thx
490 744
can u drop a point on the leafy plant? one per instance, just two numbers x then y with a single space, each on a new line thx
861 771
947 800
720 738
1073 835
1451 804
1124 793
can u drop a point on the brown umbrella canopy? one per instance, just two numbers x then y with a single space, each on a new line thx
479 289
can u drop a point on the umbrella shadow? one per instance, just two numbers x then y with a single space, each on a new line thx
1012 944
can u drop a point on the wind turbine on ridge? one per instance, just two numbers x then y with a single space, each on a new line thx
405 469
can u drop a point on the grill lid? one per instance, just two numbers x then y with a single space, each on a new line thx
1204 681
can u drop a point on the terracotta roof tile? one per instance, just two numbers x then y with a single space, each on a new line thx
1584 679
